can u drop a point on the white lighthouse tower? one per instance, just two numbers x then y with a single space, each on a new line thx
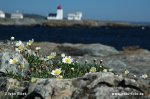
59 13
56 16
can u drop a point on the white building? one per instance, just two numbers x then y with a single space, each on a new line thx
75 16
17 15
56 16
2 14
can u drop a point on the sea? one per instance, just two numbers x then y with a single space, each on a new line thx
118 37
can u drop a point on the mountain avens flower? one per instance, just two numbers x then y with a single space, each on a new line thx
56 72
126 72
37 48
51 56
30 42
144 76
105 70
13 61
134 76
67 60
20 48
110 70
12 38
92 70
72 69
59 76
18 43
63 55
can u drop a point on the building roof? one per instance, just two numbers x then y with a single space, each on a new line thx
52 14
18 14
75 14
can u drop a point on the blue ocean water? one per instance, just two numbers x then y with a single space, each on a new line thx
116 37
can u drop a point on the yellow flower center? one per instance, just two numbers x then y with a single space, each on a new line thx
93 70
57 72
20 47
14 61
68 60
126 72
49 57
30 42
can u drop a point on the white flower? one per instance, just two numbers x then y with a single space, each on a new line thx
105 70
30 42
12 38
110 70
20 48
63 55
72 69
92 70
134 75
51 56
144 76
13 61
56 72
59 76
126 72
43 59
67 60
16 49
18 43
37 48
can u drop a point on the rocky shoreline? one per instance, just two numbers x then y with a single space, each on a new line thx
100 85
134 59
63 23
90 86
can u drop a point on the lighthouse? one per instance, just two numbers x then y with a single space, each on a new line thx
56 16
59 13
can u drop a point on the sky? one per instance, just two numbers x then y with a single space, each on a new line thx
112 10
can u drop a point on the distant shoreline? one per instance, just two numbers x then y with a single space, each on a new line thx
63 23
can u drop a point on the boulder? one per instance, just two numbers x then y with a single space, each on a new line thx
117 65
12 89
91 86
51 89
6 67
97 50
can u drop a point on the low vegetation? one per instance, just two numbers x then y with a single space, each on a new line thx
53 65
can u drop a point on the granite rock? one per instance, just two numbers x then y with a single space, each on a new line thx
91 86
6 67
